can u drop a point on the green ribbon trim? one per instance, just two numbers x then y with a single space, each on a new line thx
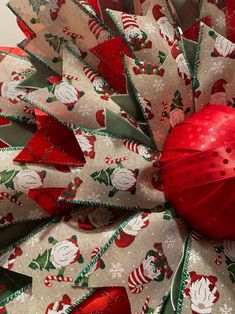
184 274
23 45
82 299
104 248
19 17
197 57
15 284
117 125
129 103
38 79
139 102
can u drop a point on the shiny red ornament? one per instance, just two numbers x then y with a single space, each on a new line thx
198 171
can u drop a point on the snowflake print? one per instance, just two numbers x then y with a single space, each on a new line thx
217 67
36 214
95 197
33 98
145 189
84 110
150 28
170 242
33 240
108 141
195 257
225 309
159 84
220 22
116 270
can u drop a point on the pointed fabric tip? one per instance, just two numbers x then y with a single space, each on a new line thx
52 144
47 199
192 32
111 65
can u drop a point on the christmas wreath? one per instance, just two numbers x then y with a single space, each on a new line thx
117 136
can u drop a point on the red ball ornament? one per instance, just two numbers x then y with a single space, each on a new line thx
198 171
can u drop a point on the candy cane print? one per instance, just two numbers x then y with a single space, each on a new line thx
218 259
111 161
196 236
48 280
66 31
145 306
164 110
11 198
28 110
71 77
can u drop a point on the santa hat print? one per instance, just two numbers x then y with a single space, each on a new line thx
130 232
175 51
129 21
218 87
124 239
218 93
90 73
157 12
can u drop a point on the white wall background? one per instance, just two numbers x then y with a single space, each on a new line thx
10 34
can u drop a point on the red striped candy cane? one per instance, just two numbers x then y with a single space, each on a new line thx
95 251
71 77
132 145
111 161
196 236
145 306
164 110
11 198
218 259
28 110
66 31
48 280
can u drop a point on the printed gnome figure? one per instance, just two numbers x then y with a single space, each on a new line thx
101 87
65 92
134 35
166 28
183 69
119 178
59 307
87 143
11 90
223 47
61 255
154 267
202 292
219 94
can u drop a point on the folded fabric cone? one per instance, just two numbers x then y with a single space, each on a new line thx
117 159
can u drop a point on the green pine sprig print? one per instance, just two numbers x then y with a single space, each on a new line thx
103 176
6 178
54 41
36 5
